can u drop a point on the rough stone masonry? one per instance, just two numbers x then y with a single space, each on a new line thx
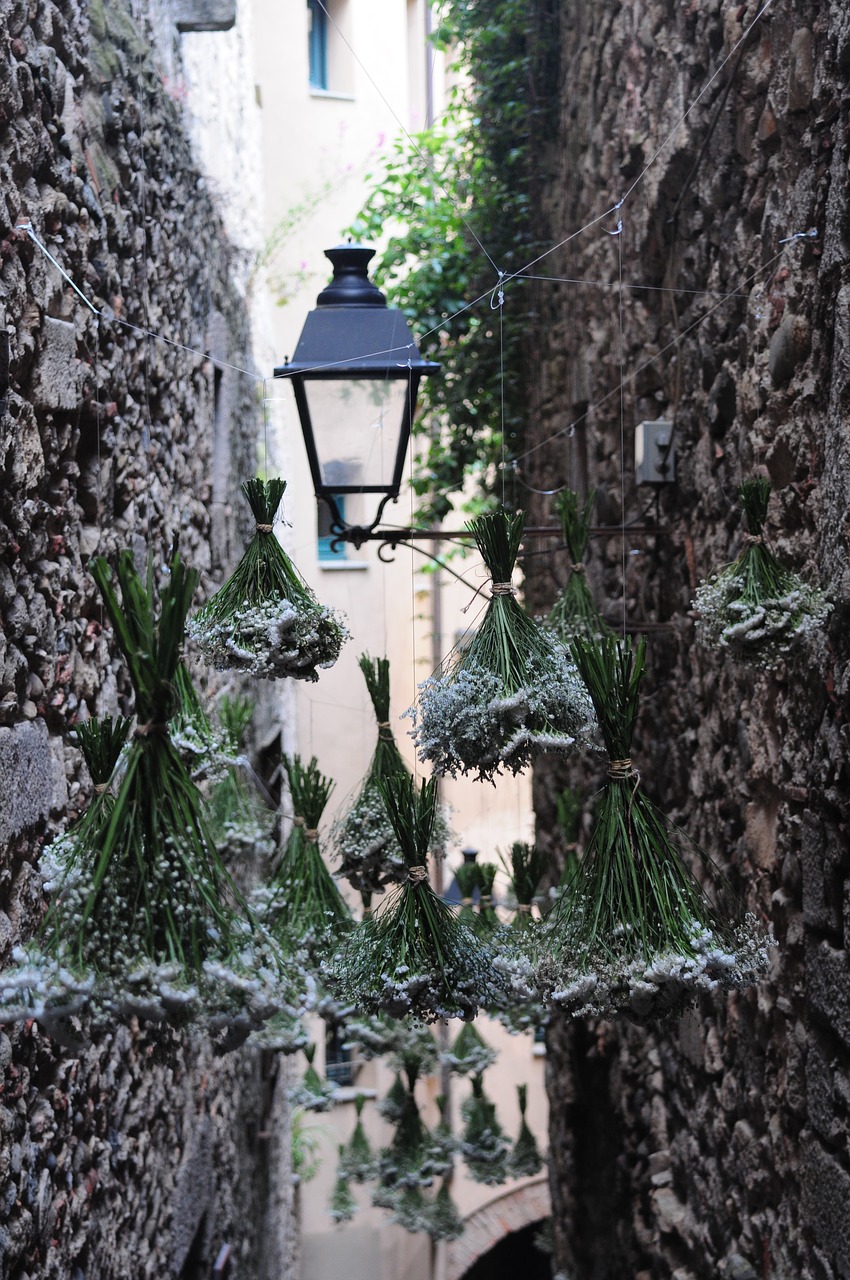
131 1158
718 1146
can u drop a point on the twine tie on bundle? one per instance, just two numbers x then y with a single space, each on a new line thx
620 770
417 875
577 568
312 833
385 731
100 787
466 902
264 528
297 821
503 589
150 728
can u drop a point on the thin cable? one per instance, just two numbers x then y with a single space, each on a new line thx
265 431
700 95
621 326
648 288
501 305
28 228
412 593
597 404
503 280
670 136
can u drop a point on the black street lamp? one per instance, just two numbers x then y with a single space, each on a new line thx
355 374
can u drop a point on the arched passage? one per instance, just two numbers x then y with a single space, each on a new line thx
489 1225
516 1254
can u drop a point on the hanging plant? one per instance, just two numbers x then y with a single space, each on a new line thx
302 905
410 1209
101 741
413 1158
470 1054
575 613
342 1206
240 820
525 1159
312 1093
265 620
755 607
633 932
285 1031
468 880
206 751
147 922
356 1159
378 1036
364 839
516 945
392 1105
483 1145
487 922
443 1221
412 956
512 694
526 865
442 1143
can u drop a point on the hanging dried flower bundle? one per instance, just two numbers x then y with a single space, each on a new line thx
285 1031
342 1206
241 821
487 922
207 751
575 613
302 904
146 920
412 956
312 1093
443 1221
525 1159
470 1054
755 607
392 1105
413 1158
356 1159
483 1145
633 933
442 1143
516 945
526 865
468 880
378 1036
364 839
101 742
512 694
265 620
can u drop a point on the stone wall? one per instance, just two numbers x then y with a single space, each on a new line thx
717 1146
133 1158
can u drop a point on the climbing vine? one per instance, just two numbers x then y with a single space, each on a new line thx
453 207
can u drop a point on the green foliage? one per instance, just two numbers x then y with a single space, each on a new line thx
305 1143
453 208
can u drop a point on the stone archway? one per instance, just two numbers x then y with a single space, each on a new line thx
493 1221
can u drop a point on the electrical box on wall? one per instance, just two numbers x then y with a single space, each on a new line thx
655 461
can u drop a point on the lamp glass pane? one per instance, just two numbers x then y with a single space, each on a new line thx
356 426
